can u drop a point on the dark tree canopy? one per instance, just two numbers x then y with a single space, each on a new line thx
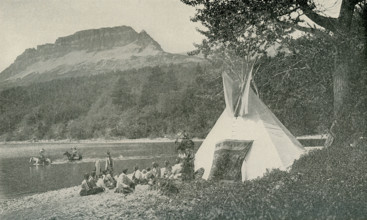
249 27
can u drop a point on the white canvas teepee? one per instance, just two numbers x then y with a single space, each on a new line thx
247 118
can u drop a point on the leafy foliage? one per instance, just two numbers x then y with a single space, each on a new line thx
166 186
326 184
245 27
240 29
288 81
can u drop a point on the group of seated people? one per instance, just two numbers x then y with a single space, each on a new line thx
125 183
150 175
91 184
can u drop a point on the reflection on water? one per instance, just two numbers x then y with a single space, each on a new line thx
39 172
19 178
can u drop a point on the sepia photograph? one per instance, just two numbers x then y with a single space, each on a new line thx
183 109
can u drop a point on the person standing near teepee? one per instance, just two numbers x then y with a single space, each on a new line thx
185 145
186 155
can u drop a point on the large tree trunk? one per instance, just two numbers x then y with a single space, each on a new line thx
341 127
363 78
364 20
341 83
349 114
350 101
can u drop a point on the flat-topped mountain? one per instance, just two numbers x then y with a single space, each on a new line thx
105 38
90 52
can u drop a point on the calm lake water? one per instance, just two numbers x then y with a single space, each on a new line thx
18 178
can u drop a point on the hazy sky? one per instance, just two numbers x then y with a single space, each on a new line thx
28 23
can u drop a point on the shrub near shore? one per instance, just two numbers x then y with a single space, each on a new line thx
325 184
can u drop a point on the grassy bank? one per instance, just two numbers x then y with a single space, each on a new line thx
325 184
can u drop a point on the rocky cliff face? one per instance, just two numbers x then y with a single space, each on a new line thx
103 39
92 52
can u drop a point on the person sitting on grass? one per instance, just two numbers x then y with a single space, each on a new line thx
92 181
85 186
108 180
156 170
167 170
149 177
100 181
124 184
87 189
176 170
143 177
137 176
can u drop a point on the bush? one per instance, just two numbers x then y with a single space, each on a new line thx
325 184
167 186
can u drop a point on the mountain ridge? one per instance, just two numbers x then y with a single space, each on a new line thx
92 51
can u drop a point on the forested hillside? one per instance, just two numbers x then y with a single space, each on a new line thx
149 102
163 100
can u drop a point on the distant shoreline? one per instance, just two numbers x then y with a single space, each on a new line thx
97 141
122 141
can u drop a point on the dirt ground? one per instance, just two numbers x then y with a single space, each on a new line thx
67 204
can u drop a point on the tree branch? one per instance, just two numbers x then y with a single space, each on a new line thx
325 22
301 28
